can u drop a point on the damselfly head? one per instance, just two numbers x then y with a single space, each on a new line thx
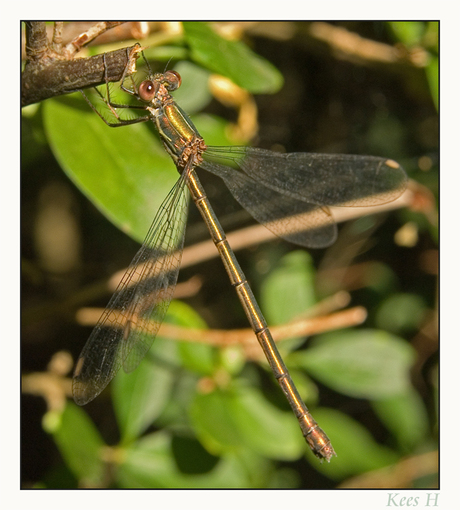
148 89
173 80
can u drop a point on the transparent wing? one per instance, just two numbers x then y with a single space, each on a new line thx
289 193
297 221
321 179
129 324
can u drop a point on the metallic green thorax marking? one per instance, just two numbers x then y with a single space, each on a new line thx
176 130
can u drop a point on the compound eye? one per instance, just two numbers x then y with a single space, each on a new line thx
147 90
173 80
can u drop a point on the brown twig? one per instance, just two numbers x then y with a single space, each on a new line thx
52 385
352 46
89 35
48 72
202 252
245 337
256 234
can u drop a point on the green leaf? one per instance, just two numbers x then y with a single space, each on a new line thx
263 427
213 423
408 32
401 312
432 74
150 463
193 94
125 172
214 130
288 291
165 52
364 364
80 445
405 416
241 418
357 451
197 357
232 59
140 397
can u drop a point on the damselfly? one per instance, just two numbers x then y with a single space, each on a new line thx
289 193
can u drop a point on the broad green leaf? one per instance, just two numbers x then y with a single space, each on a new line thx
364 364
405 415
432 74
306 387
150 463
193 94
214 130
80 445
264 428
140 396
240 417
125 172
213 423
232 359
288 291
401 312
357 451
164 54
232 59
408 32
197 357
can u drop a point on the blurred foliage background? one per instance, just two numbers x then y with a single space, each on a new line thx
198 414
